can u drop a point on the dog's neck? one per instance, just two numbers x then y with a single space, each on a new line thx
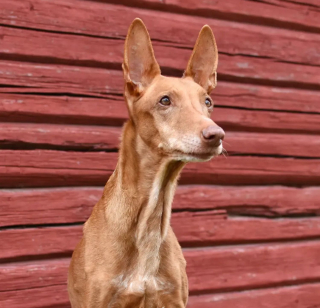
143 186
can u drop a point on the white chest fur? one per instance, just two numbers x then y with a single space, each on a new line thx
136 284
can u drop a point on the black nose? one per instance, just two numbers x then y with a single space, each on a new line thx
213 134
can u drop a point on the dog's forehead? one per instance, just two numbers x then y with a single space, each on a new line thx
183 85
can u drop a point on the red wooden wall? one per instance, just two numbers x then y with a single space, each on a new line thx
249 223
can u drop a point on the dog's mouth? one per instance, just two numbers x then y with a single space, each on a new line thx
197 156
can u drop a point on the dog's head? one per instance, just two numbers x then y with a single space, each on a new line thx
171 114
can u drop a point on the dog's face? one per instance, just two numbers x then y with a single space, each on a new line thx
172 115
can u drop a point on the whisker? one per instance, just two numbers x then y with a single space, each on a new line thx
223 152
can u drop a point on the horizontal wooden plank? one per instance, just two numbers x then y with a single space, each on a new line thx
210 269
113 112
270 201
313 3
25 275
50 47
105 20
207 228
57 168
66 109
268 98
79 80
204 228
108 138
72 205
62 109
39 241
56 205
70 136
42 297
290 14
301 296
252 266
272 144
94 81
68 79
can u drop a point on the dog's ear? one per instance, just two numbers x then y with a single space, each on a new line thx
139 66
202 65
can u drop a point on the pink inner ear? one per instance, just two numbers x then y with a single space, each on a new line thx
142 65
202 75
136 67
203 62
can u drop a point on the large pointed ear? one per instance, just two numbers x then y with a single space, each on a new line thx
139 66
202 66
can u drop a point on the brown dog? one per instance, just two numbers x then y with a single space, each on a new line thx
129 255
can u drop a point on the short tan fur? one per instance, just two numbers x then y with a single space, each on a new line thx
128 255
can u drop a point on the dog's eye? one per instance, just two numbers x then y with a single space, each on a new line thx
208 103
165 101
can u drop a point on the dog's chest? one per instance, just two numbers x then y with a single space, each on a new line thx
140 284
140 289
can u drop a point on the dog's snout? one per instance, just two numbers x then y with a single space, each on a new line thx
213 134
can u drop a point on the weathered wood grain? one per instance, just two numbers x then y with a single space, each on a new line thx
68 109
210 269
193 229
83 41
69 136
301 296
77 137
272 144
39 241
252 266
26 275
290 14
57 168
91 51
43 297
312 3
46 77
62 109
93 81
65 78
72 205
271 201
268 98
104 20
212 227
52 206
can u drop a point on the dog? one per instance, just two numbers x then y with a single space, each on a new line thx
128 255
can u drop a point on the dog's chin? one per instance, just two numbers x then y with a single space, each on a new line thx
198 156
